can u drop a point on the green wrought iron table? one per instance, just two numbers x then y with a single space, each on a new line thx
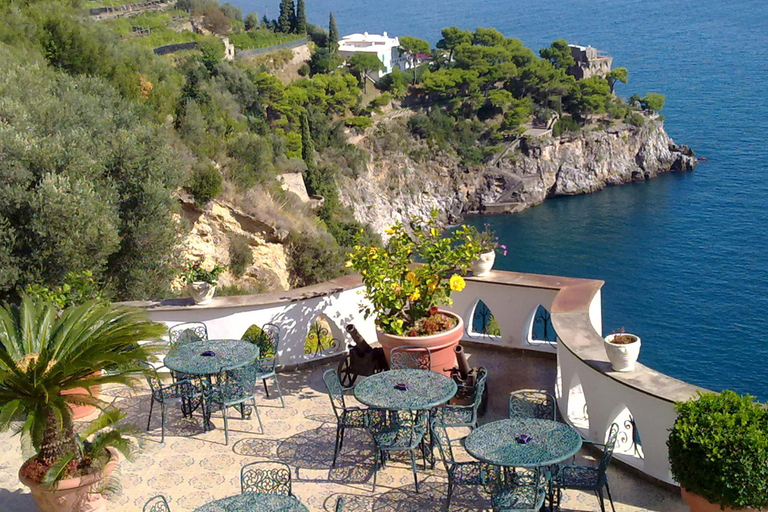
499 442
209 357
255 502
206 358
420 390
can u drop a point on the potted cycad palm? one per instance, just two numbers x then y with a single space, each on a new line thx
718 452
408 279
43 351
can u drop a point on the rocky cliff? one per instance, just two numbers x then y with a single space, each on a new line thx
394 186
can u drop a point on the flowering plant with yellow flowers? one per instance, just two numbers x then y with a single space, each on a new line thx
416 271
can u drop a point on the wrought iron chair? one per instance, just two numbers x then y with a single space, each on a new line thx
410 356
266 478
340 504
235 388
189 332
518 495
459 473
156 504
347 417
465 415
185 392
401 433
586 478
268 342
530 403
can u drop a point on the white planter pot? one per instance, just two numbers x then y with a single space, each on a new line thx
622 356
484 263
201 292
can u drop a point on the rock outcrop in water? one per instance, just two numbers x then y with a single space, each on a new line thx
395 187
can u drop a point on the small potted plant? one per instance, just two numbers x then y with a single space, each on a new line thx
622 350
201 282
718 452
407 279
44 351
487 243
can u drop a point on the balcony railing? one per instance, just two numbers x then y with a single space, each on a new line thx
556 315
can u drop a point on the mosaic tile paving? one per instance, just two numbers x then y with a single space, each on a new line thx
194 467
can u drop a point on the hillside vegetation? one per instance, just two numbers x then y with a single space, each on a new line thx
99 137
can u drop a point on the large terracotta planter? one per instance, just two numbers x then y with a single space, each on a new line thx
73 494
440 345
698 504
81 411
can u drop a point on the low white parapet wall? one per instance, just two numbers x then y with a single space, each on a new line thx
590 395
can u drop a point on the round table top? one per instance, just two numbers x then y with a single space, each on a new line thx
423 389
255 502
497 442
222 354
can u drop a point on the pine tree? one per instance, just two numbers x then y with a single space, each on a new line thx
333 35
301 18
287 13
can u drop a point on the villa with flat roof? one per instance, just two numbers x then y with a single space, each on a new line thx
386 48
589 62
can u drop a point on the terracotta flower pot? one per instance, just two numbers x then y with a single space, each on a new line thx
81 411
698 504
440 345
73 494
201 292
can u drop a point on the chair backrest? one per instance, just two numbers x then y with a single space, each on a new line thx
529 403
482 375
266 478
410 356
335 391
268 341
443 441
610 444
340 504
238 383
189 332
156 504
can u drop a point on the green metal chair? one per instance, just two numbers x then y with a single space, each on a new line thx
347 417
465 415
234 388
459 473
268 343
403 432
410 356
266 478
586 478
521 497
340 504
531 403
189 332
184 392
156 504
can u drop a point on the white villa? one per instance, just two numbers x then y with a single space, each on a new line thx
386 48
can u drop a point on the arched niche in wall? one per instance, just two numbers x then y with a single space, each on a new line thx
540 330
628 442
577 412
483 323
322 337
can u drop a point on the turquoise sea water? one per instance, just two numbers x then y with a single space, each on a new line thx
683 256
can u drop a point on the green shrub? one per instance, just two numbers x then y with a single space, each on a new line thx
358 122
206 183
636 119
240 255
718 449
314 259
304 69
565 125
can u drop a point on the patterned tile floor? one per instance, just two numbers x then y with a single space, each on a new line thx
193 467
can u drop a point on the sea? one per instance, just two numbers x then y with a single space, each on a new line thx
683 256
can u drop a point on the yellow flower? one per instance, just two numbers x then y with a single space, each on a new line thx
348 263
416 295
389 231
457 283
410 276
433 283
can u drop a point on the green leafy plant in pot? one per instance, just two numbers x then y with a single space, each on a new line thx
44 351
718 452
201 281
406 281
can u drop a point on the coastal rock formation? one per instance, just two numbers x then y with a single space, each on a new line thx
394 186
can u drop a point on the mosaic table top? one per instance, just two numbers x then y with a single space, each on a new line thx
523 442
211 356
405 390
255 502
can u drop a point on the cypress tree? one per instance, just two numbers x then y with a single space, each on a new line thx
307 146
333 35
287 13
301 18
